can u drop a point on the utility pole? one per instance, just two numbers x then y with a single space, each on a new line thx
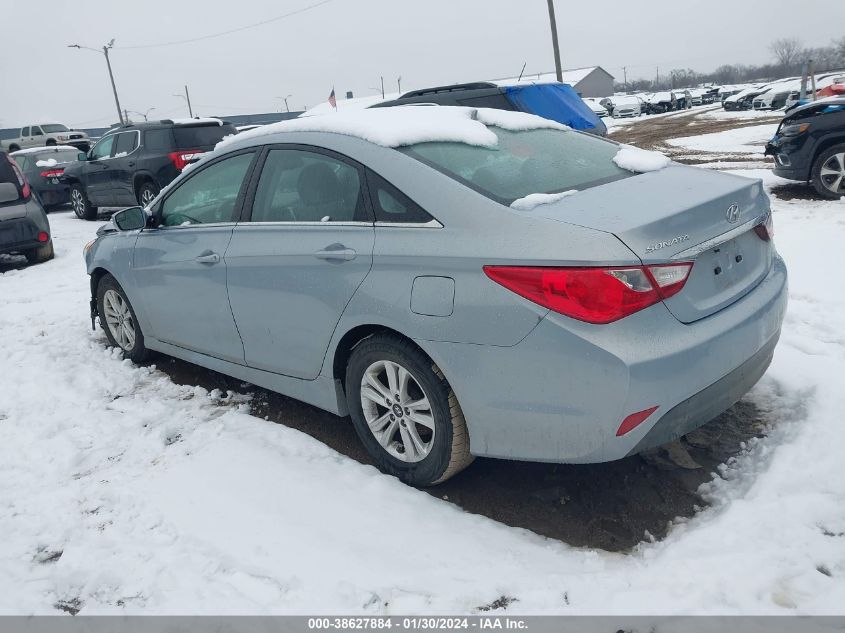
188 99
399 83
106 48
657 79
625 74
553 23
382 87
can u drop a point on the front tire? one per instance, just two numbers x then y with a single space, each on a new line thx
828 173
82 207
117 318
41 254
405 412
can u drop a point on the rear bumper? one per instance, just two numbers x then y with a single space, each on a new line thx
19 235
561 394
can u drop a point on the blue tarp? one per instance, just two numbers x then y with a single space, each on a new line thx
558 102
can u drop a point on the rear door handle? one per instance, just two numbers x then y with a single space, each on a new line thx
208 258
333 252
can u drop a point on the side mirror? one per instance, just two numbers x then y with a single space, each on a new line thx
82 156
130 219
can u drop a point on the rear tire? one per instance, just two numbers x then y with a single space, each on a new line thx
82 207
823 175
420 437
40 254
147 193
118 320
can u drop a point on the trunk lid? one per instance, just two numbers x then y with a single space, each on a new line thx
683 214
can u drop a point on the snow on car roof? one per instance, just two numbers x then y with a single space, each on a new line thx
407 125
197 120
43 149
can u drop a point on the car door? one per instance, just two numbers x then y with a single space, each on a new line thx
297 258
120 170
23 141
97 182
178 267
36 137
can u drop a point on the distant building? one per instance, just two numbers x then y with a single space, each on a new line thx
593 81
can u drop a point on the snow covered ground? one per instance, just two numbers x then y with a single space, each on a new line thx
745 140
122 492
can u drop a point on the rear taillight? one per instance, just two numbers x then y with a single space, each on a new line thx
766 229
21 180
52 173
594 295
43 236
180 159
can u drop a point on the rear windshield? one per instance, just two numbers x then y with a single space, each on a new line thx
54 127
522 163
199 136
61 156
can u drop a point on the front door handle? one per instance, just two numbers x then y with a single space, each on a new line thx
337 252
208 258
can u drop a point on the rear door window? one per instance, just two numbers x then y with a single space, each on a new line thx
125 143
302 186
25 131
200 136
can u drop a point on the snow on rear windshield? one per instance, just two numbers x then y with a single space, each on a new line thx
524 163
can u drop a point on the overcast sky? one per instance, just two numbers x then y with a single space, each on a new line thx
351 43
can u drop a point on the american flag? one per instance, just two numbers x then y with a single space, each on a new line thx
332 100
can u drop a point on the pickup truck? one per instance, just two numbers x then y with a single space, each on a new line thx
46 134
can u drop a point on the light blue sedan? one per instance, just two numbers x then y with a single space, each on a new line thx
459 282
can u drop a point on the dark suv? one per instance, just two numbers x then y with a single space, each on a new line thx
809 145
558 102
131 164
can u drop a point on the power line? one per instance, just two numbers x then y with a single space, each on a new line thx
230 31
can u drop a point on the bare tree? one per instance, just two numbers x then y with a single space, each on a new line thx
786 50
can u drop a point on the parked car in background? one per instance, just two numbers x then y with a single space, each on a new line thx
710 95
132 163
46 134
43 168
626 106
663 101
550 100
743 99
596 106
376 280
809 146
24 228
696 96
683 99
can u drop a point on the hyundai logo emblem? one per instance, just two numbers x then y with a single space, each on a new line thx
733 213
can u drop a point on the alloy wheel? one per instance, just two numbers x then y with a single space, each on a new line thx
147 196
397 411
832 173
119 319
78 203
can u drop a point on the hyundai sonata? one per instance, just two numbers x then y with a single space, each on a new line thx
459 282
